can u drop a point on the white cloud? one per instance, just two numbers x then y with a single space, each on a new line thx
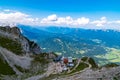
101 22
82 21
64 21
115 22
52 17
118 21
9 17
13 18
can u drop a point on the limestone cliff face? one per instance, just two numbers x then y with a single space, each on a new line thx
15 34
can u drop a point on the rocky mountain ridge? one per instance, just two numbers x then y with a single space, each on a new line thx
20 58
14 33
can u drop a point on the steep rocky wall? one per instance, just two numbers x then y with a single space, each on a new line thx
15 34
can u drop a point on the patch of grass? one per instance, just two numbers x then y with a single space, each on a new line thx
110 65
42 58
11 45
5 69
114 78
80 67
92 62
21 69
84 58
2 28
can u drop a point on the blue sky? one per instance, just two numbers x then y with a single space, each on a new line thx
45 7
77 12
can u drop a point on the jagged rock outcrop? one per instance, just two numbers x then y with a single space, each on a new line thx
20 57
14 33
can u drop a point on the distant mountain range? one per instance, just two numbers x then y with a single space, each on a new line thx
102 45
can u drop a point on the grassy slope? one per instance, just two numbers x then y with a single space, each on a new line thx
11 45
5 69
92 62
80 67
